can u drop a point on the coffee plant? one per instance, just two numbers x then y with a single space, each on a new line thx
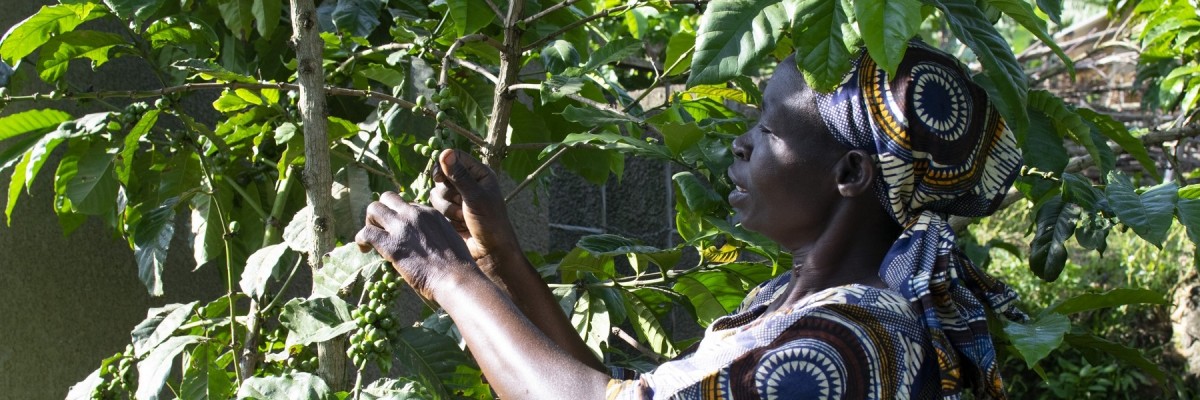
322 105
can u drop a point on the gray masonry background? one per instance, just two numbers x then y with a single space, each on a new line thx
66 302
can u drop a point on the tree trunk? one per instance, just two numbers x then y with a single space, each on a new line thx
510 66
317 178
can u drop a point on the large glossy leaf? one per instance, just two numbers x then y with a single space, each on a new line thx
151 240
591 320
1004 78
316 320
679 52
434 358
1022 12
1111 298
1078 189
394 389
90 182
1056 222
1117 132
614 51
159 325
886 27
647 326
1120 351
559 55
267 15
469 16
206 228
1189 216
1149 214
1036 339
341 268
698 197
30 121
27 169
124 164
358 17
260 267
85 388
713 294
733 37
238 16
153 370
819 32
133 10
1066 121
205 376
26 36
1052 8
297 385
595 117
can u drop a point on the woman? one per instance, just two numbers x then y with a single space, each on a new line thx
857 184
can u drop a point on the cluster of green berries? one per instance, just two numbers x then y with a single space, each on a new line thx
377 327
440 101
118 378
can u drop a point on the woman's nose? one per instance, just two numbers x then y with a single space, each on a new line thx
741 150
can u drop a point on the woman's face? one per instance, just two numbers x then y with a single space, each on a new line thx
785 185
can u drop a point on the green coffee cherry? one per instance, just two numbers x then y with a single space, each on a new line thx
421 100
441 117
431 83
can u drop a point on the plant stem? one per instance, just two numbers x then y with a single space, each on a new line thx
207 168
251 201
547 11
317 179
573 25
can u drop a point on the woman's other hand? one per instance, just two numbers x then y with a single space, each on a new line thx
468 194
418 241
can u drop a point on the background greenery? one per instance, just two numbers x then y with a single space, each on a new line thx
527 84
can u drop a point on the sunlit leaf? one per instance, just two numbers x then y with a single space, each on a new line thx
290 386
1036 339
1149 214
886 27
30 34
1117 132
1022 12
823 50
159 325
260 267
58 52
647 326
317 319
1111 298
30 121
733 37
341 268
153 370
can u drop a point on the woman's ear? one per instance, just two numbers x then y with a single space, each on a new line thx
855 173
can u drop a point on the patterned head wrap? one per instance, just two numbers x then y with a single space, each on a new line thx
942 150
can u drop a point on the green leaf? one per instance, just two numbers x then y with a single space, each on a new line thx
819 32
614 51
124 166
590 319
1056 222
647 326
317 319
31 163
159 325
434 359
153 370
84 389
209 70
204 376
1022 12
1111 298
680 137
733 36
1120 351
297 385
1035 340
609 244
394 389
1093 230
556 87
152 233
31 121
886 27
1148 214
267 15
61 49
698 197
1117 132
559 55
469 16
260 267
299 234
341 268
133 10
1052 8
595 117
358 17
1003 78
1189 216
612 141
679 52
182 31
238 16
387 76
1078 189
230 102
30 34
90 182
713 294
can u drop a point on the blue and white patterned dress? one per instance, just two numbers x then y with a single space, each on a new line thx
845 342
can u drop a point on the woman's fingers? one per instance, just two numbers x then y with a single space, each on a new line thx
446 200
367 237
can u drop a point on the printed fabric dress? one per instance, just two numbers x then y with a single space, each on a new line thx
845 342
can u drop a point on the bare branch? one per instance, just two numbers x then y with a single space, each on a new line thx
573 25
533 175
547 11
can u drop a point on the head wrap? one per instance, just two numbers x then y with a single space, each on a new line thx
941 149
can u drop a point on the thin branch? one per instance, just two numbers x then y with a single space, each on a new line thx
474 67
533 175
190 87
547 11
454 47
573 25
581 99
378 49
633 342
492 5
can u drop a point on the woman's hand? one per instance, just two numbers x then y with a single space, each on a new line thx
418 241
468 194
